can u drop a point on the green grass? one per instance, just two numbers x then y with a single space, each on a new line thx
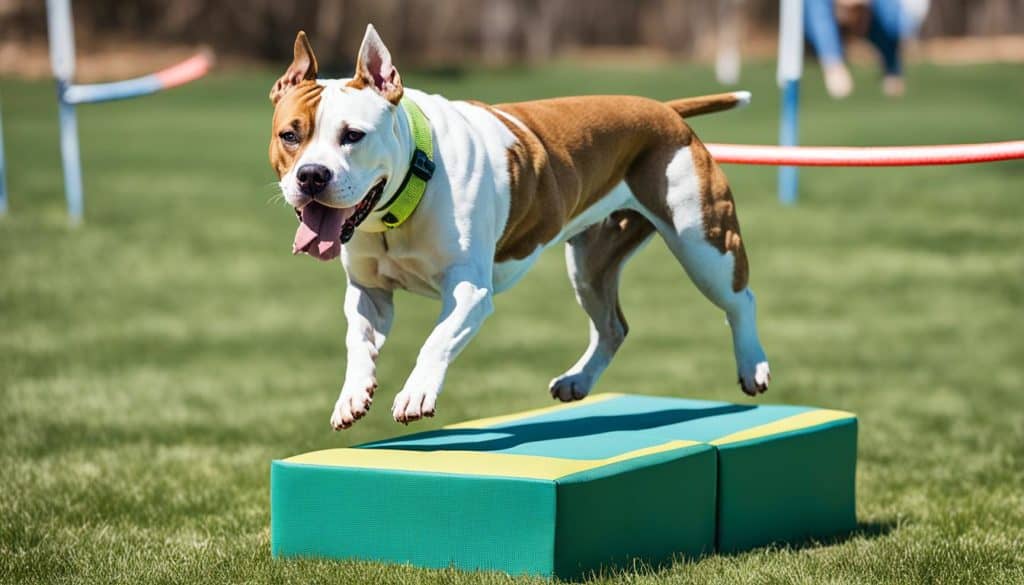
153 361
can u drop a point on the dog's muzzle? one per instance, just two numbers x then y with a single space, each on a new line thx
323 230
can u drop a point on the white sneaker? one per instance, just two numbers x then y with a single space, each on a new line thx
894 86
838 81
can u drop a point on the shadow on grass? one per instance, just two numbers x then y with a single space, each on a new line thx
640 567
629 571
867 530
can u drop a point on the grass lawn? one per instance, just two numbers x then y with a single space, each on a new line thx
154 361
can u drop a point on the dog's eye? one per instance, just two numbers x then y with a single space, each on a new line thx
352 136
289 137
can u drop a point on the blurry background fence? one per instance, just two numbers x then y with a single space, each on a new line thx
448 31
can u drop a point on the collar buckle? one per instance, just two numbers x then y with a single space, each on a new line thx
421 165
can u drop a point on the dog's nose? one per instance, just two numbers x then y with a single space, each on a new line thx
313 178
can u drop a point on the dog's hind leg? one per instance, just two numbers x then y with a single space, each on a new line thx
595 258
688 199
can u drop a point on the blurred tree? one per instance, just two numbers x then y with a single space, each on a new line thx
426 31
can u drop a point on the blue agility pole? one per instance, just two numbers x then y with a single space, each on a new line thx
70 158
62 59
790 68
788 136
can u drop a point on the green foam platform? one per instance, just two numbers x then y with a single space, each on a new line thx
566 490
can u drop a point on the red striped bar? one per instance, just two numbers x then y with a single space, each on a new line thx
868 156
186 71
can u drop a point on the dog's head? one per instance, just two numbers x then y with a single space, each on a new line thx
334 143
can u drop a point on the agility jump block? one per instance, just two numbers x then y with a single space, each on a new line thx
566 490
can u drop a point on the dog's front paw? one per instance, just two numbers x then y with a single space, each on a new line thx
755 378
413 404
569 387
353 404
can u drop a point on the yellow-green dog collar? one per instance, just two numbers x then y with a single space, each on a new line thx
421 169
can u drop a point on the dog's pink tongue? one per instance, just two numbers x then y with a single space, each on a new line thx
319 233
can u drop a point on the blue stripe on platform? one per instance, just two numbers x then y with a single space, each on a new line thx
604 429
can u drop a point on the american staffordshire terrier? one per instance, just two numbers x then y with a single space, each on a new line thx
456 200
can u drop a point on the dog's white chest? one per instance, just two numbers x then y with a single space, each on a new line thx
413 274
386 262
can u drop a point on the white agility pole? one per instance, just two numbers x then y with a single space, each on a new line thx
62 59
727 54
790 68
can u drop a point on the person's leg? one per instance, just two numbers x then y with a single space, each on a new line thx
885 33
822 31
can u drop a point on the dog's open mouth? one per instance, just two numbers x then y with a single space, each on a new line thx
322 230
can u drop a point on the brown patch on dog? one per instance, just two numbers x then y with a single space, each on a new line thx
295 112
295 96
704 104
363 80
391 93
357 82
303 68
575 150
721 224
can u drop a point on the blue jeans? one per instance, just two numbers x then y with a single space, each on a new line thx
885 32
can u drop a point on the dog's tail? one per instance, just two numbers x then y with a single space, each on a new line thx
708 104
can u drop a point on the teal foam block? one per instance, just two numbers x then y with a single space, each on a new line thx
541 516
788 488
567 490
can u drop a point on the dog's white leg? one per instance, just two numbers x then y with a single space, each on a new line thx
595 259
466 301
369 312
712 270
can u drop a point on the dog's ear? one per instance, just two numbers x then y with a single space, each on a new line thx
375 70
303 67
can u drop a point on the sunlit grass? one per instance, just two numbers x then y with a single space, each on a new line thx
153 361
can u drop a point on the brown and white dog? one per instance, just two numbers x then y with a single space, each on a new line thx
600 173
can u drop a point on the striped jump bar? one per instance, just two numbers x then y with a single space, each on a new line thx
61 35
868 156
180 74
